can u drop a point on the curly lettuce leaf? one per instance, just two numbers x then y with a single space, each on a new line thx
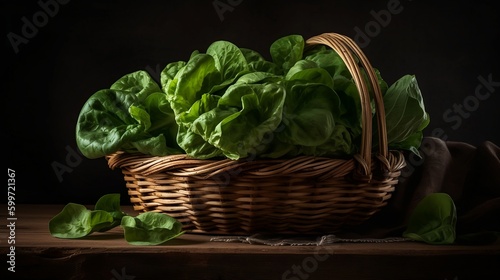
232 102
197 77
193 135
134 115
140 83
286 51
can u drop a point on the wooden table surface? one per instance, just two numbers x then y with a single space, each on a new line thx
38 255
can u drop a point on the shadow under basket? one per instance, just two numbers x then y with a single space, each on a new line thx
300 195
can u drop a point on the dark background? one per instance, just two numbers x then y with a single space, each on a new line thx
84 46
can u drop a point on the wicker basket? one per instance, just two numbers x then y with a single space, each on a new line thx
305 194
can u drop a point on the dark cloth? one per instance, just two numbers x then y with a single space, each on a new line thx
469 174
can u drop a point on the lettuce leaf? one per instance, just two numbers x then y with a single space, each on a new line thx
150 228
405 114
133 115
433 220
232 102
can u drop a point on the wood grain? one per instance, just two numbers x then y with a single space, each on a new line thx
193 256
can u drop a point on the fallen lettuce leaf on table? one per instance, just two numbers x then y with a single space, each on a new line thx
77 221
150 228
433 220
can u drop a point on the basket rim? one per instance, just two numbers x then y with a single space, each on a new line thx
148 165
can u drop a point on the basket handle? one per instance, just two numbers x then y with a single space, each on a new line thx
348 51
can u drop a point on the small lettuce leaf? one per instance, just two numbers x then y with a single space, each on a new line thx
76 221
433 220
111 204
405 114
286 51
229 59
140 83
150 228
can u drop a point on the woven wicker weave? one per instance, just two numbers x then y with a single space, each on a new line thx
300 195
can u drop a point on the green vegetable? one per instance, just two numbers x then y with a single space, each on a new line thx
133 115
405 114
286 51
433 220
251 111
150 228
76 221
111 204
311 111
231 102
